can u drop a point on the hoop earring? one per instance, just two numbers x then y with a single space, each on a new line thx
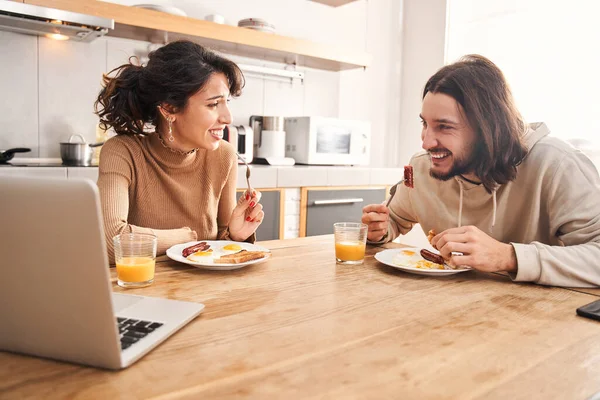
171 138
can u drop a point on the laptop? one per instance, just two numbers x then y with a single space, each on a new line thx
56 297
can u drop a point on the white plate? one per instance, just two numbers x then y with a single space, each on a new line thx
387 257
174 253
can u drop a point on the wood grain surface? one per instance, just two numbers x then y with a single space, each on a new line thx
300 326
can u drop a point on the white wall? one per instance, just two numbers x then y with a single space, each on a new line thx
49 87
547 51
423 43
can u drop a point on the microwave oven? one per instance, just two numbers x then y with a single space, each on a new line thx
327 141
241 138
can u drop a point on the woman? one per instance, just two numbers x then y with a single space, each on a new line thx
176 181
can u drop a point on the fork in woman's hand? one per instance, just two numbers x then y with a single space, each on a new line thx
247 174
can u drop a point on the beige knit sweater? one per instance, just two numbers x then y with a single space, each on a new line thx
147 188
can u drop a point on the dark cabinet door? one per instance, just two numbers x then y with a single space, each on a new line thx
271 202
326 207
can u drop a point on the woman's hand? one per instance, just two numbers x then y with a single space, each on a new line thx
246 216
479 250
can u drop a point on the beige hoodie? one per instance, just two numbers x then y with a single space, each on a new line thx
550 213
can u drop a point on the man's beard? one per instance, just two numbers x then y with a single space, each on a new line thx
459 167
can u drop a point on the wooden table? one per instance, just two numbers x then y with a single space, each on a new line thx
300 326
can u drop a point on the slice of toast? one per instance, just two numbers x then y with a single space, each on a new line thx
240 257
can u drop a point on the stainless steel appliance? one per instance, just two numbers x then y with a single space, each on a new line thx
269 140
327 141
242 139
59 24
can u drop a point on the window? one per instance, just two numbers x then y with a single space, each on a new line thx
548 51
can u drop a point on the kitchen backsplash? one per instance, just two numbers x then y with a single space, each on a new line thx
48 87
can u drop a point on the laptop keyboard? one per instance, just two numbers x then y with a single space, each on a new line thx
132 330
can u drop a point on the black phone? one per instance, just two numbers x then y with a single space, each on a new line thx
591 310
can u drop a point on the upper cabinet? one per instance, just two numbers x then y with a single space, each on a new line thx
154 26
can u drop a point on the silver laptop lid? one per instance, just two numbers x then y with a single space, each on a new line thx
55 294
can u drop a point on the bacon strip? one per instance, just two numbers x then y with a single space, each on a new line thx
202 246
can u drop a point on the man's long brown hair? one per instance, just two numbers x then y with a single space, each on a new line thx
479 86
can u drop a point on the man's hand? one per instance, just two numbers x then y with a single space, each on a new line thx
376 216
480 251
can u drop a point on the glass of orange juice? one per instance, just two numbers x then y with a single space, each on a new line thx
135 256
350 242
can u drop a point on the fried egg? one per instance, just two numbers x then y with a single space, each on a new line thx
201 256
231 248
406 258
411 259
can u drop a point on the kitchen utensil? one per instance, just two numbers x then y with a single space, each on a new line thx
393 192
247 173
7 155
77 154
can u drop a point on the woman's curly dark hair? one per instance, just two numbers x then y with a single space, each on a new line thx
132 93
479 86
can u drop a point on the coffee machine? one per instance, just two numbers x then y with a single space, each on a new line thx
269 140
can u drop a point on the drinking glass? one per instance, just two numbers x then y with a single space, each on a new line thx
135 257
350 242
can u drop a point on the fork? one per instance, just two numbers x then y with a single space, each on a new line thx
247 173
393 192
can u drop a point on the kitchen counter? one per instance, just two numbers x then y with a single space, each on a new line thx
263 176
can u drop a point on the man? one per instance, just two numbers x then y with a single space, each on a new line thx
504 194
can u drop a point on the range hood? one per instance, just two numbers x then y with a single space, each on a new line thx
50 22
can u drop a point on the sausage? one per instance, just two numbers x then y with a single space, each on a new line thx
408 176
429 256
202 246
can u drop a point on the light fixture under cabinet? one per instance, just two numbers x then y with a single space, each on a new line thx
272 72
50 22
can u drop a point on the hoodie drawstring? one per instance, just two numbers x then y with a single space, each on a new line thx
460 204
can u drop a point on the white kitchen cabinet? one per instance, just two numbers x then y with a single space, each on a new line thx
90 173
50 172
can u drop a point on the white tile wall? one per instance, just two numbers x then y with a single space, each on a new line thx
69 80
284 98
118 52
321 93
19 92
251 102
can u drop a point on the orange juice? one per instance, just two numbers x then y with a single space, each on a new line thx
350 251
135 269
